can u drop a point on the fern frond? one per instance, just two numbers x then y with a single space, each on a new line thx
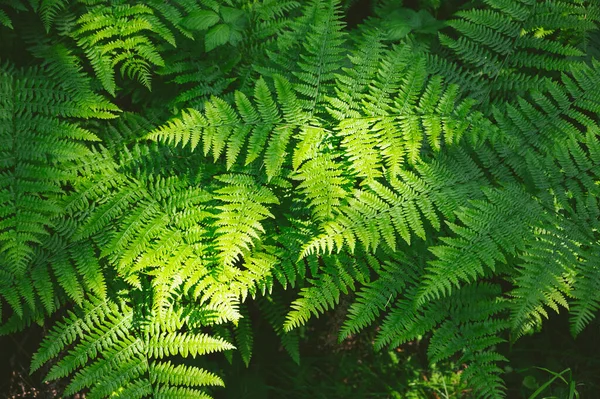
67 331
263 128
112 356
542 280
244 336
38 148
337 276
118 34
402 113
473 328
378 215
492 230
309 51
586 301
322 182
5 20
243 210
394 277
405 321
505 47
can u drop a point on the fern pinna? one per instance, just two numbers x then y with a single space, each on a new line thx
445 187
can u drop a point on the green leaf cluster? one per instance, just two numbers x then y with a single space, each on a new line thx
169 168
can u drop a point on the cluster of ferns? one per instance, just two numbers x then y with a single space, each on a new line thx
166 164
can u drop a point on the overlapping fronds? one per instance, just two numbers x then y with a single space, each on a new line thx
505 47
446 189
112 355
38 147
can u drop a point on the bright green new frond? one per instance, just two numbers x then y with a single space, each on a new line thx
184 344
323 183
403 114
160 206
239 219
184 130
379 214
148 227
263 127
111 355
255 276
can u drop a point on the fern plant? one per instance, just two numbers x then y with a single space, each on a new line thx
283 163
122 352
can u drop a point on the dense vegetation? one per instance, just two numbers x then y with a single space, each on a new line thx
177 175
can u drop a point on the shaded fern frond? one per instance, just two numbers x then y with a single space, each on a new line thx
473 328
310 53
586 302
509 43
491 230
38 146
542 280
394 276
244 336
337 277
469 322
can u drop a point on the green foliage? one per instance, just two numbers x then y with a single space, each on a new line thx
39 148
436 181
505 47
123 355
